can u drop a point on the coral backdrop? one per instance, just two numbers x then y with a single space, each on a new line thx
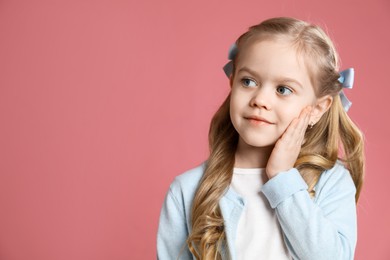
103 102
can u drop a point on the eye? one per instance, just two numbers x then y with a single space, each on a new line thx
247 82
283 90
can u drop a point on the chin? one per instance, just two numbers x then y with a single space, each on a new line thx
258 143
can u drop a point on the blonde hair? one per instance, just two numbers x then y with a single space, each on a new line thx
333 135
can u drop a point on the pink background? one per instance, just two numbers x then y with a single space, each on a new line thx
102 103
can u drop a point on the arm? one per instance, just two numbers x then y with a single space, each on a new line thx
320 229
172 231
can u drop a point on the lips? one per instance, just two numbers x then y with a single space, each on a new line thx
258 120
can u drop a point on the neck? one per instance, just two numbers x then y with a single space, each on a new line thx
248 156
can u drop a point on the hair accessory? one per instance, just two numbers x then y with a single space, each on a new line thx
228 68
346 76
346 79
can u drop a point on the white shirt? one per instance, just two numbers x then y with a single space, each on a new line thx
259 234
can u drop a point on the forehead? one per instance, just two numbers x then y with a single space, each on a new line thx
277 57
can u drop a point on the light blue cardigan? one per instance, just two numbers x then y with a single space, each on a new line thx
323 227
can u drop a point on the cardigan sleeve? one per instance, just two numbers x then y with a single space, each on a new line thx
172 231
321 228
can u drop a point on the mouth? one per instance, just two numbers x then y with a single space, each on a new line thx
258 120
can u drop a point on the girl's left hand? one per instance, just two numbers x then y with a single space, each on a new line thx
287 148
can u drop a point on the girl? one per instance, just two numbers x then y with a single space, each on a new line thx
286 162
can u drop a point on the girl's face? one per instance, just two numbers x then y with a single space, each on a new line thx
271 86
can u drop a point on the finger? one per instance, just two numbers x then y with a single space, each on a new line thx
301 120
297 128
306 119
291 129
303 124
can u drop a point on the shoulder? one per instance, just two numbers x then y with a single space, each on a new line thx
182 192
186 183
175 216
336 180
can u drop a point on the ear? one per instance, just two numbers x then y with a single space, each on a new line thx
321 106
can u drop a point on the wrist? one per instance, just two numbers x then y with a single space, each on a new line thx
273 173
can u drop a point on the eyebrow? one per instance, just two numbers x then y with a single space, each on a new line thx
280 79
250 71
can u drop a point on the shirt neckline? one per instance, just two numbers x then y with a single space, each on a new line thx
248 170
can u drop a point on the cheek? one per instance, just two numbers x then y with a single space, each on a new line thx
236 102
232 109
288 117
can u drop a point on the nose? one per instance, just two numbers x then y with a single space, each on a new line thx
261 98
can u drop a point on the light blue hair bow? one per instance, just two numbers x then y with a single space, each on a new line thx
228 68
346 77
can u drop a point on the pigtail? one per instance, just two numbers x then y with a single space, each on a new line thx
353 149
334 137
207 238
